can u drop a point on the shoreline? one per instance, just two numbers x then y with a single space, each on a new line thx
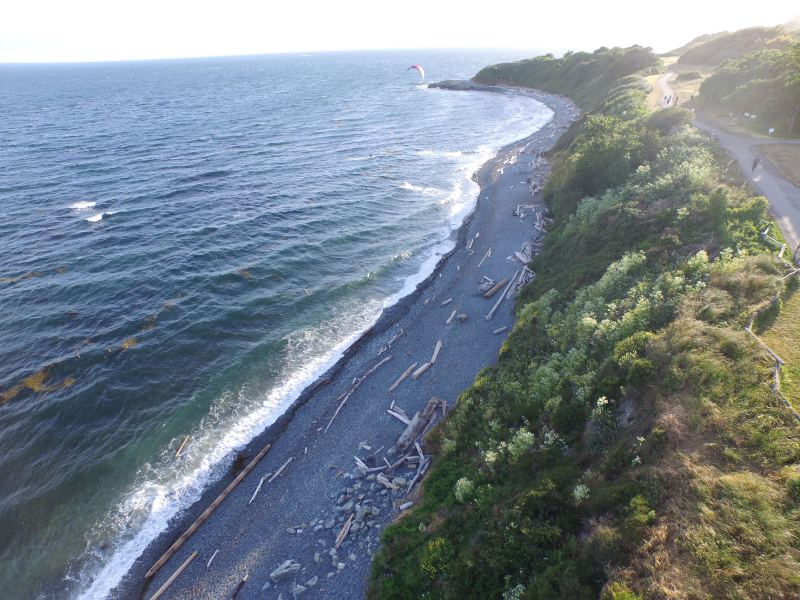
295 433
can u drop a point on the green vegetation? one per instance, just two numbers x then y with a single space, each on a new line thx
628 444
689 76
766 82
726 46
608 80
781 334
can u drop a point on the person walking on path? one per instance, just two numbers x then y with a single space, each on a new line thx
756 162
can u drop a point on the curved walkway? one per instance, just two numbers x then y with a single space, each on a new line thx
783 196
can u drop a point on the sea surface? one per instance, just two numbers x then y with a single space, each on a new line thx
184 246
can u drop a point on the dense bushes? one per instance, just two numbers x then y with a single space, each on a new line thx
727 46
766 83
586 77
628 444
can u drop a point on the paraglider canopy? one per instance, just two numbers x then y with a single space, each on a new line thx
418 68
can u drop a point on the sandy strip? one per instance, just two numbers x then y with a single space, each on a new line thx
253 540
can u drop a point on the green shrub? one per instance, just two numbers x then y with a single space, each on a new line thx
619 591
689 76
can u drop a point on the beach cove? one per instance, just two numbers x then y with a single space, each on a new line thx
297 515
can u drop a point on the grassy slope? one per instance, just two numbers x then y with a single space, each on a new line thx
786 158
585 77
726 46
782 335
628 441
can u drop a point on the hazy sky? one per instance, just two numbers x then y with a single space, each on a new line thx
77 30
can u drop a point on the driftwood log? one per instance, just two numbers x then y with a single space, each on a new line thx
344 531
400 379
416 374
502 296
417 425
356 383
496 288
206 513
436 351
174 576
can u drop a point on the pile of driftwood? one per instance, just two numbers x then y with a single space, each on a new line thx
525 277
409 443
542 221
408 446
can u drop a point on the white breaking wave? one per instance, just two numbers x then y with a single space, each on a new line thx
95 218
428 191
163 490
82 205
441 153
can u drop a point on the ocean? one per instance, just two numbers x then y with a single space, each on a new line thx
184 246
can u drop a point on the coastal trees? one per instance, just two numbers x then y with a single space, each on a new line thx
766 82
585 77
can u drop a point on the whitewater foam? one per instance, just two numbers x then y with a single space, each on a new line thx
83 205
162 491
421 189
441 153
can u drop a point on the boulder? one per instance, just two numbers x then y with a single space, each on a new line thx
286 569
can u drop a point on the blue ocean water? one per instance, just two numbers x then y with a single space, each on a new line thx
184 245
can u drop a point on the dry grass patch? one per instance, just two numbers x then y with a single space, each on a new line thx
786 158
782 337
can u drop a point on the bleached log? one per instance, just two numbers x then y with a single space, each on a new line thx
344 531
397 463
186 439
206 513
384 481
451 317
174 576
398 416
400 379
500 329
495 288
361 464
420 371
400 411
279 471
356 382
521 257
418 423
446 302
423 466
502 296
485 256
436 351
419 451
213 556
258 489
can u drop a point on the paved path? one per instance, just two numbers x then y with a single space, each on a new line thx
783 196
664 87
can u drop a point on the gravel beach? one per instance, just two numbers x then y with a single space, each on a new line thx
295 518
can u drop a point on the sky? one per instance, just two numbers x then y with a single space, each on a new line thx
96 30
